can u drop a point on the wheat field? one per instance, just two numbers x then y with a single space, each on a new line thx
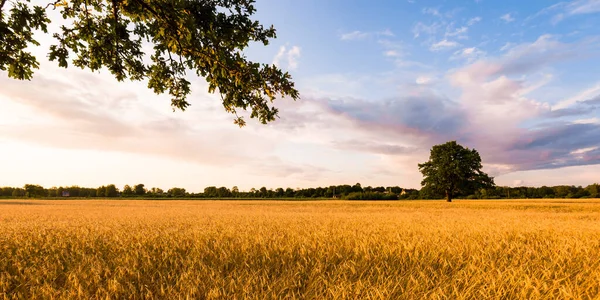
300 250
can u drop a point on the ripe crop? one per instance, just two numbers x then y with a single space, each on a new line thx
322 249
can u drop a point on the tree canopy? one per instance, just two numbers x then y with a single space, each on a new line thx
345 191
206 37
454 170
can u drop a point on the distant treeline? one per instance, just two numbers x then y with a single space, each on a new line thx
350 192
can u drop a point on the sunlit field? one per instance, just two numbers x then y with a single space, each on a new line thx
277 249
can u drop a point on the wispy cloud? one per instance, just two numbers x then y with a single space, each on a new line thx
354 35
470 54
434 11
507 18
506 46
361 35
422 28
392 53
562 10
460 33
288 56
588 96
443 45
474 21
424 79
583 7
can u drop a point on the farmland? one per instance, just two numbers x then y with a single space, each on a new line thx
299 249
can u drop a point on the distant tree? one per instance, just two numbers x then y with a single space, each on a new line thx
18 192
289 192
563 191
92 192
379 189
593 190
357 188
263 192
176 192
235 191
205 37
428 193
210 191
320 192
34 191
395 189
139 190
344 189
127 191
7 191
223 192
101 191
52 192
156 191
74 191
111 191
279 192
452 170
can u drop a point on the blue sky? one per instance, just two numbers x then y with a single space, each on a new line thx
380 83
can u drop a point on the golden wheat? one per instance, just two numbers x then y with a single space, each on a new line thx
336 250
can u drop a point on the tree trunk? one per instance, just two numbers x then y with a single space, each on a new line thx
448 196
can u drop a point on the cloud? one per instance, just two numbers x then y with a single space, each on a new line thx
592 101
583 7
567 112
392 53
424 115
584 96
507 18
421 28
443 45
361 35
470 54
74 116
458 32
432 11
424 79
507 46
529 57
374 146
275 166
563 10
392 49
291 57
488 113
473 21
494 94
385 32
354 35
559 146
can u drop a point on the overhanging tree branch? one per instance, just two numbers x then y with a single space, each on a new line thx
203 36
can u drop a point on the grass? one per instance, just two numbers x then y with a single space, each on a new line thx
325 249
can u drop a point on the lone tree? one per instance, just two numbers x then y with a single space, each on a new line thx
206 37
453 170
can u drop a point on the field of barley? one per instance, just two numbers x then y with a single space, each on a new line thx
309 250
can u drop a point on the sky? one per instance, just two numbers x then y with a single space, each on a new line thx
380 83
